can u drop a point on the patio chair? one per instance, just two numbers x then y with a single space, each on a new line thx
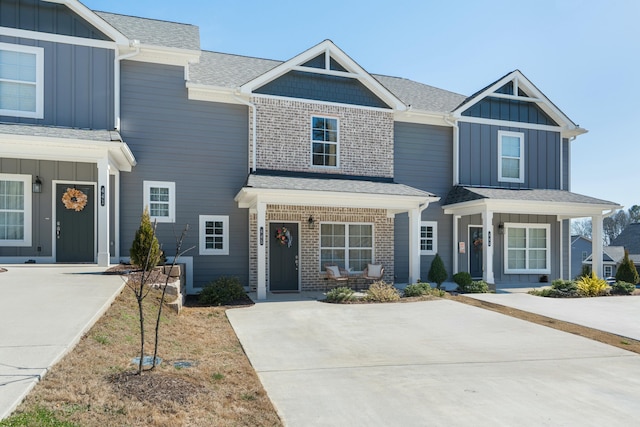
336 274
373 273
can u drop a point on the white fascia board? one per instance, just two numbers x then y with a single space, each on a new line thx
56 38
249 197
421 117
316 102
560 209
166 55
88 15
200 92
327 46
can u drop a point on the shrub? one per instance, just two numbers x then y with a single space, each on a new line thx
437 272
340 295
382 292
475 287
622 288
559 289
592 286
585 272
145 244
417 289
222 291
462 278
627 271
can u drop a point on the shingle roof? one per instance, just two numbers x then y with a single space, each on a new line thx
629 238
333 185
59 132
461 194
421 96
154 32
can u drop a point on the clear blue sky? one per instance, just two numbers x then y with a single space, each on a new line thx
583 54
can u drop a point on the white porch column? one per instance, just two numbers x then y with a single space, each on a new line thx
596 245
102 197
488 242
414 245
262 231
456 224
116 209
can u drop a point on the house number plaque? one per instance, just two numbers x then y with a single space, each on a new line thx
489 239
102 195
261 236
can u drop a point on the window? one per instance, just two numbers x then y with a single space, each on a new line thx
527 248
608 271
214 235
428 238
15 210
510 156
160 198
324 141
21 81
348 245
584 255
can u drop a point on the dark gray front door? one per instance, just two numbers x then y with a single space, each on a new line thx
283 257
475 252
74 223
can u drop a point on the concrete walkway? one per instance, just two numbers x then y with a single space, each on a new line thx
44 311
435 363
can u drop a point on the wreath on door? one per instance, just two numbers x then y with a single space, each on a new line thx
283 236
74 199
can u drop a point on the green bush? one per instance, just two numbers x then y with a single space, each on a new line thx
145 244
382 292
592 286
437 272
417 289
627 270
222 291
462 278
559 289
340 295
622 288
475 287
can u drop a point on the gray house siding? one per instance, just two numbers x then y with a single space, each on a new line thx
42 203
78 86
36 15
422 159
478 150
201 146
510 110
318 87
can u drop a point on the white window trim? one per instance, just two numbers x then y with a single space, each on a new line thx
347 247
39 53
604 270
172 199
526 226
225 236
28 208
434 225
324 116
520 136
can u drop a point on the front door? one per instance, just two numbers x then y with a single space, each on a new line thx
475 252
283 257
74 237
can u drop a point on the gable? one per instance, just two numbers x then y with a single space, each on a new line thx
46 17
511 110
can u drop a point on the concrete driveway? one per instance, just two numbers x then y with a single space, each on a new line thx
44 311
434 363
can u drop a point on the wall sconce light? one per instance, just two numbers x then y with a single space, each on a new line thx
37 186
501 228
311 221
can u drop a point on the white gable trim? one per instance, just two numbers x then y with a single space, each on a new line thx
56 38
330 49
535 96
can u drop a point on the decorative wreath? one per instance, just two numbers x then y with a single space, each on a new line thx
74 199
283 236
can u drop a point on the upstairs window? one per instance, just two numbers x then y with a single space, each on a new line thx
324 141
160 199
21 81
428 238
510 156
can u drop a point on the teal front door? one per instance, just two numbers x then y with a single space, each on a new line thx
475 252
74 227
283 257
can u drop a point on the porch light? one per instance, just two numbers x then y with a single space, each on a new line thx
311 221
501 228
37 186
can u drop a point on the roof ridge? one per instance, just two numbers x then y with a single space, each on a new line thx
146 19
241 56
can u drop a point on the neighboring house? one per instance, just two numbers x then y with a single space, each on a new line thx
630 240
580 251
113 113
611 258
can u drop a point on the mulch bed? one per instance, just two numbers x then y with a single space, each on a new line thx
158 387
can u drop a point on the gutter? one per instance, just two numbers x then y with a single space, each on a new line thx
254 155
456 149
135 44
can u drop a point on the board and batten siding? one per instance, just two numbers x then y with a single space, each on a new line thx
202 147
78 85
479 157
423 159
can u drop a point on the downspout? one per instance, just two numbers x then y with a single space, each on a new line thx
456 148
254 155
569 162
116 79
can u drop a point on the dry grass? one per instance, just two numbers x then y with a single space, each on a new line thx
93 385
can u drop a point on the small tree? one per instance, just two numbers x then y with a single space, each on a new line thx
437 272
627 271
145 250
